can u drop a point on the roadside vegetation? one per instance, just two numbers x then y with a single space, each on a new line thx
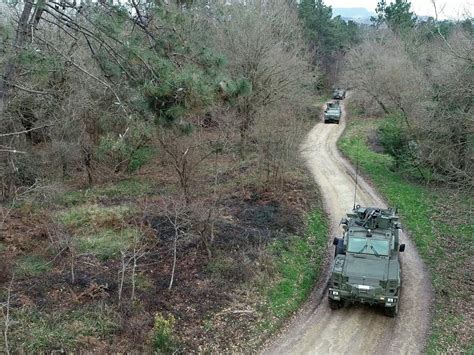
439 220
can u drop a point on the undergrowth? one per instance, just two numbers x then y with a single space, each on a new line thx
108 243
131 188
32 265
62 331
91 216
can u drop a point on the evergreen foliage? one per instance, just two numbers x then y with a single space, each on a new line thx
395 140
397 15
325 33
328 37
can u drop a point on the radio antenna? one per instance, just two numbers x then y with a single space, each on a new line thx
356 179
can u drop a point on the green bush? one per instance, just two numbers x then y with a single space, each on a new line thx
27 168
395 140
139 158
162 334
120 150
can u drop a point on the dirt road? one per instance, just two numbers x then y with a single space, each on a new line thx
355 329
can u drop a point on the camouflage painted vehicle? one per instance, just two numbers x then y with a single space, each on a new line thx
339 94
332 104
332 113
367 266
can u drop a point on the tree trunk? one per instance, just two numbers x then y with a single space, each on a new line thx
244 131
173 270
5 85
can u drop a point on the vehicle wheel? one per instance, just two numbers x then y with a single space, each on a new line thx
339 248
391 311
333 304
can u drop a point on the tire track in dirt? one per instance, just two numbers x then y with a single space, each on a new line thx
355 329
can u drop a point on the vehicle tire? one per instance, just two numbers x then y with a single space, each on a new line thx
339 250
392 311
333 304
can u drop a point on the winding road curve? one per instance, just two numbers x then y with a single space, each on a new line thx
355 329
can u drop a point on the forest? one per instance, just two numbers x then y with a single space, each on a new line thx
152 192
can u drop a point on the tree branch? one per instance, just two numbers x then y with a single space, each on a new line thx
25 131
31 91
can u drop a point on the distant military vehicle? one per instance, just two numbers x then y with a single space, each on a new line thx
367 266
332 113
339 94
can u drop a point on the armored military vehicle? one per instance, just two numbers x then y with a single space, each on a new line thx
332 113
339 94
332 104
366 266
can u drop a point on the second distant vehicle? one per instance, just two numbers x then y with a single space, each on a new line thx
339 94
332 113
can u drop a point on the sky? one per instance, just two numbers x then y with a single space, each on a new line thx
447 9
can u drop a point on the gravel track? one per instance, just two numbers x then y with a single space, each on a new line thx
355 329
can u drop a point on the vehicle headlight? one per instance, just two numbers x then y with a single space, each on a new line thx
390 300
335 293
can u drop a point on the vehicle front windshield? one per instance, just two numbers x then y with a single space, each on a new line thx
368 246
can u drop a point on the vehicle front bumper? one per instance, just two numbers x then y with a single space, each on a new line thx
332 119
362 296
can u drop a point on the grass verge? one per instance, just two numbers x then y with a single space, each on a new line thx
440 224
299 263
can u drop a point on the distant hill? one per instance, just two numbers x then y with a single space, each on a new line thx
358 14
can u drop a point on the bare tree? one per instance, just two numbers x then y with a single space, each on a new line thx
176 213
6 315
429 84
130 258
186 153
263 43
29 18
